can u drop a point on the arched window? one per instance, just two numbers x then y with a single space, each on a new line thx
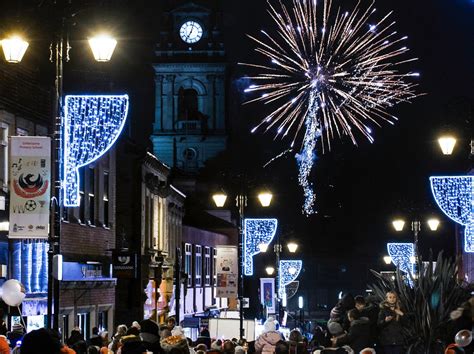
188 104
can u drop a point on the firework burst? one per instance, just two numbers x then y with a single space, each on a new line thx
330 73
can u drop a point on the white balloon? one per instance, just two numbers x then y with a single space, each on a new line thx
12 285
13 298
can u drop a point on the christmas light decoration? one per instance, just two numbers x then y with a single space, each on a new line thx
455 197
402 255
256 232
92 124
30 264
328 73
288 271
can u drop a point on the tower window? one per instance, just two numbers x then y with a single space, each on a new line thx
188 104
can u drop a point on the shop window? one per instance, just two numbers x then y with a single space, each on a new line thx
188 265
207 266
84 322
198 266
102 320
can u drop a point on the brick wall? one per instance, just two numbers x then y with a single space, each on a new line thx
87 297
82 241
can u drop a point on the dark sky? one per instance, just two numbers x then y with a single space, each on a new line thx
362 188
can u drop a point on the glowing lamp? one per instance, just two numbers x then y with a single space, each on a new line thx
102 47
387 259
14 48
433 224
398 224
263 247
292 247
219 199
292 270
265 198
300 302
270 270
447 143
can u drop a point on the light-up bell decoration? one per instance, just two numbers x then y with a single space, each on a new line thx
402 255
455 197
257 232
288 271
92 124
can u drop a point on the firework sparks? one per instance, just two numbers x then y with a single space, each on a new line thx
330 74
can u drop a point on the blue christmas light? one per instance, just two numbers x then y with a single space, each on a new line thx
30 264
256 232
288 272
92 124
402 255
455 197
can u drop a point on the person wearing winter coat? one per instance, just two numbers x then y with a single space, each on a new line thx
339 312
390 325
359 335
149 334
267 341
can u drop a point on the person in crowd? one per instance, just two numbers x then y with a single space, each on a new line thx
40 341
296 342
171 323
359 335
105 342
282 347
119 333
216 345
204 338
133 331
339 312
131 344
16 334
267 341
228 347
76 341
462 318
136 325
389 323
149 335
320 338
369 311
95 339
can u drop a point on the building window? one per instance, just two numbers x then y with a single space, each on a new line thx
83 322
65 327
207 266
214 268
188 104
105 199
188 265
198 266
91 195
102 320
3 156
82 201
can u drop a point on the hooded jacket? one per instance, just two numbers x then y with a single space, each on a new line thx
359 335
266 342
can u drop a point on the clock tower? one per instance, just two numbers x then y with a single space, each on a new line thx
190 71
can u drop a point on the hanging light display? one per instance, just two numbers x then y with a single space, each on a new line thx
257 232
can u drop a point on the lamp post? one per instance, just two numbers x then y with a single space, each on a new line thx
399 224
278 249
14 48
220 198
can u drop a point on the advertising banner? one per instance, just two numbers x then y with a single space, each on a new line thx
124 265
267 294
227 269
30 185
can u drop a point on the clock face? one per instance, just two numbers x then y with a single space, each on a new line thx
190 32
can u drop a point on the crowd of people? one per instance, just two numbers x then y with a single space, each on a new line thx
355 326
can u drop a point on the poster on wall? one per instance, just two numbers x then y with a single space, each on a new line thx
267 294
30 184
227 271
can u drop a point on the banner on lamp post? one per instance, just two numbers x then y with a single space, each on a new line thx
227 271
30 186
267 294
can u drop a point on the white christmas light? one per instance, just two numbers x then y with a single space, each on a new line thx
92 124
288 272
455 197
402 255
257 232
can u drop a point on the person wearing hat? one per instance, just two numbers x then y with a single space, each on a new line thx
16 334
149 334
267 341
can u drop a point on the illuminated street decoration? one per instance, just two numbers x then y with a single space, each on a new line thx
402 255
288 272
455 197
92 123
256 232
30 265
328 73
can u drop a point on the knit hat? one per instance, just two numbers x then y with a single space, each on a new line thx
335 328
269 325
18 328
136 325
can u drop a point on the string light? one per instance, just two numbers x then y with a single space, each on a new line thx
288 271
455 197
328 83
258 233
402 255
92 123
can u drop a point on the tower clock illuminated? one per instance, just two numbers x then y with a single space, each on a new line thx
190 32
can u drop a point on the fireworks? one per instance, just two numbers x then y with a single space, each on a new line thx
329 74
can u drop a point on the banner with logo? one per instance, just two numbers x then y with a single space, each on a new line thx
227 269
124 265
30 183
267 294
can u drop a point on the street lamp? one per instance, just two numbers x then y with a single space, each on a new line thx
14 48
270 270
447 143
387 259
241 202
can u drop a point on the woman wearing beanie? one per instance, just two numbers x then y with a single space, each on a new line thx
267 341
